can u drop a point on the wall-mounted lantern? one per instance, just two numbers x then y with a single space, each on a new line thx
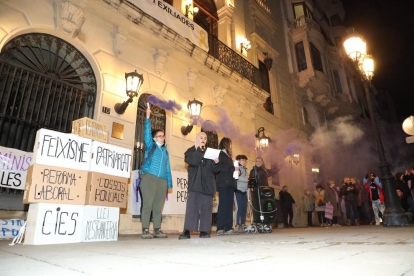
194 107
133 84
262 141
294 159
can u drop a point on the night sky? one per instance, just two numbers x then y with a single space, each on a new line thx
387 25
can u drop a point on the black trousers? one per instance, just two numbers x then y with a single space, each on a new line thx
354 205
287 211
225 209
310 218
321 217
199 209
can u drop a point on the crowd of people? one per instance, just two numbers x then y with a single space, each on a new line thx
351 203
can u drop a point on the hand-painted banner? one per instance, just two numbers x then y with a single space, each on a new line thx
10 228
177 198
13 167
175 20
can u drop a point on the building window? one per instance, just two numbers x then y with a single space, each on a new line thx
336 20
300 9
316 58
207 16
337 79
264 76
301 57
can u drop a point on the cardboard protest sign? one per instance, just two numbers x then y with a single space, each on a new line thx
91 129
13 167
54 224
110 159
49 184
58 149
106 190
100 224
10 228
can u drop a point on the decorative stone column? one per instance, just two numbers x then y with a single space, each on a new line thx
192 75
160 58
71 16
219 91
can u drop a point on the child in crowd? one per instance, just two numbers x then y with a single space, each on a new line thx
309 203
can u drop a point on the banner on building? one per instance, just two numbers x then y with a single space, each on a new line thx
13 167
176 202
10 228
175 20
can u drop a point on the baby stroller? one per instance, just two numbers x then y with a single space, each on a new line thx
258 222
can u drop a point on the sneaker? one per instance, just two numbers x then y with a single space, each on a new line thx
231 232
378 223
185 235
220 232
204 235
159 234
146 234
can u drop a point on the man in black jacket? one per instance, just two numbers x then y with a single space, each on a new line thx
286 202
201 189
350 192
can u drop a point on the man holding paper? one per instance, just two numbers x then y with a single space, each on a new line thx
201 188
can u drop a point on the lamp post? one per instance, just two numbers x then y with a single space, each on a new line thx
133 84
394 215
194 107
262 141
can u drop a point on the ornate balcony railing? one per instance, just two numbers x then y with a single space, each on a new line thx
303 22
263 5
236 62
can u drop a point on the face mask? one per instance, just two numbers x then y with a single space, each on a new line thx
159 144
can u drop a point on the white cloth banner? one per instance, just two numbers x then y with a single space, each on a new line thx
175 20
13 167
10 228
177 199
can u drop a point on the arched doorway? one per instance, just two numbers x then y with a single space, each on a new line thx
45 82
157 122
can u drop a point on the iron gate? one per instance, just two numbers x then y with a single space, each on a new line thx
45 82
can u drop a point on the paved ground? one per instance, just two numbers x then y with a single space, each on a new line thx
364 250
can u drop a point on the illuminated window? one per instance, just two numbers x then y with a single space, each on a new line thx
300 9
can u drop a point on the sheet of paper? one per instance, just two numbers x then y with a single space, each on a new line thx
211 153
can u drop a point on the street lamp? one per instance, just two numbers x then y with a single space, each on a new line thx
355 47
262 141
294 158
194 107
133 84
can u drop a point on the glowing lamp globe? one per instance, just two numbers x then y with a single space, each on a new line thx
368 67
194 108
133 83
355 47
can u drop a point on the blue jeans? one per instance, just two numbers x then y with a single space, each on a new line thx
241 199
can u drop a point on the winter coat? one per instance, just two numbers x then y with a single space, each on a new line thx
377 182
330 195
286 199
309 203
200 172
262 174
317 195
350 195
403 186
225 176
158 163
242 181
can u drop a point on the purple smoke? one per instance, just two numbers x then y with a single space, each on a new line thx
172 106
